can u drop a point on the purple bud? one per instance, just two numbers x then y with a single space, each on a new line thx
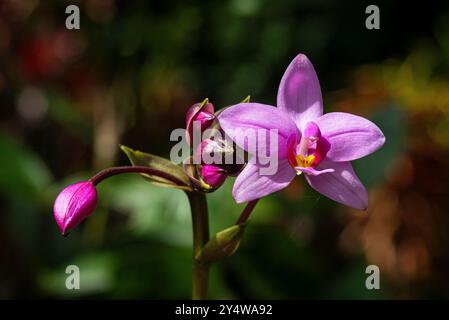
201 112
212 175
74 204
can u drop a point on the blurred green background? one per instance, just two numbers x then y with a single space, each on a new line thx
69 97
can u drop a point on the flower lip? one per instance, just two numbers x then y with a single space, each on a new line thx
309 151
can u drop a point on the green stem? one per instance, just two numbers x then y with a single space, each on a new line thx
200 227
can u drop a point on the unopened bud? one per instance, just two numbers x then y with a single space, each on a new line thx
212 175
203 113
74 204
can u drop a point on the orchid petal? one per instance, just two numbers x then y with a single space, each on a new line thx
250 185
299 93
249 125
351 137
342 185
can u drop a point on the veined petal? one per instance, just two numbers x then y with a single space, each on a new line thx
250 185
299 93
249 126
351 137
342 185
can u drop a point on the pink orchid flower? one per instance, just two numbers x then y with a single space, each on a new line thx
320 146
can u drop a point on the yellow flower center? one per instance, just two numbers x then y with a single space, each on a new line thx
305 162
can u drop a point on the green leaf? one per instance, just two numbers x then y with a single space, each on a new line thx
139 158
224 244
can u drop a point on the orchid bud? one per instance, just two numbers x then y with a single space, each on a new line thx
74 204
215 151
222 153
201 116
213 176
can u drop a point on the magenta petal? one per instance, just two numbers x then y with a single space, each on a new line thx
299 93
214 176
342 185
250 185
74 204
351 137
203 113
245 120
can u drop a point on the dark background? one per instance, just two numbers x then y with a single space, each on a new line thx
69 97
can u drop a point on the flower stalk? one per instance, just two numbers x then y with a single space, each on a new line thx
247 212
200 228
109 172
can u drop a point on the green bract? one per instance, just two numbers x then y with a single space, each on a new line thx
139 158
224 244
